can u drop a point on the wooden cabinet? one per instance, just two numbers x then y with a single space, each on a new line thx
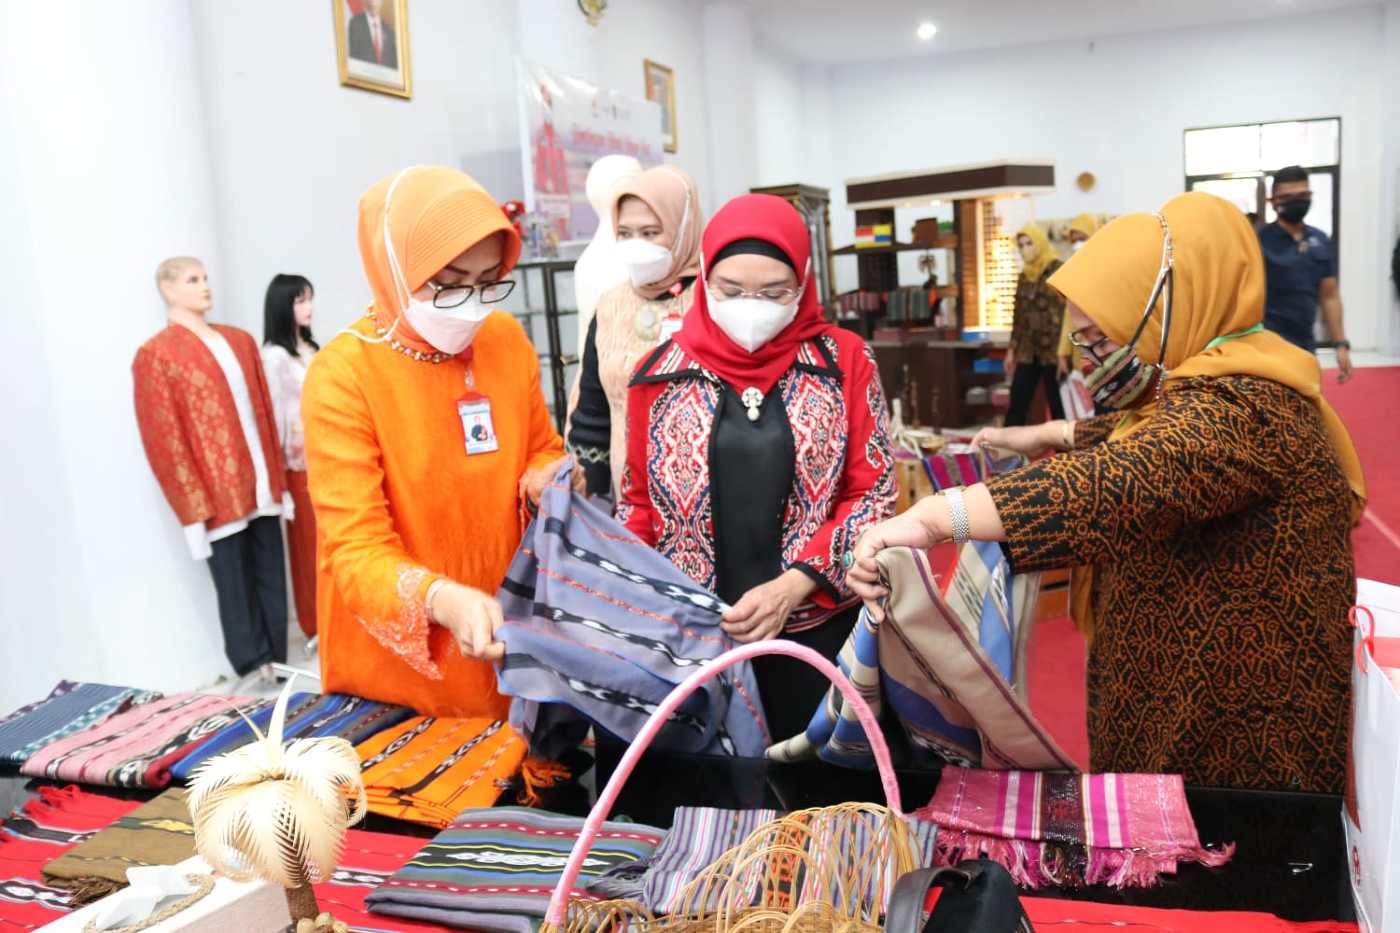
932 377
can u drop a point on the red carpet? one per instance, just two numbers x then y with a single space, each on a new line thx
1370 406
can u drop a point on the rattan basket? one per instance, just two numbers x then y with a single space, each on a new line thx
824 870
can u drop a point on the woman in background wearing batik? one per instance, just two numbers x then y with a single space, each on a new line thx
658 221
425 426
1031 360
1212 511
286 352
758 448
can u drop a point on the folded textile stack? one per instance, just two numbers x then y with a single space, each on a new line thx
42 829
494 869
136 748
603 626
57 820
70 707
698 837
1048 828
156 833
428 769
950 664
309 716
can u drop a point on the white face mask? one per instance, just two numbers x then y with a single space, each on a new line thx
1076 245
646 262
752 322
450 330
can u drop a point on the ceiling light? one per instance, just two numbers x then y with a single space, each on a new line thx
927 31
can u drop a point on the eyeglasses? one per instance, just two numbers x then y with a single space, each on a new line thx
1077 341
730 292
450 296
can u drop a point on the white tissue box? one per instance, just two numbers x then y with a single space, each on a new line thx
231 905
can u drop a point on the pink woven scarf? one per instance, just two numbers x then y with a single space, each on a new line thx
1064 829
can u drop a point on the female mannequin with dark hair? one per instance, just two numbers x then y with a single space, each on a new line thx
287 350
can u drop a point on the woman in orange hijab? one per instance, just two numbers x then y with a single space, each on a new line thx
1210 511
424 426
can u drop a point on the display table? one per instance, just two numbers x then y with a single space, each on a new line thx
1289 861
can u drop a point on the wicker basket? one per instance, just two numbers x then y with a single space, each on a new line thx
825 870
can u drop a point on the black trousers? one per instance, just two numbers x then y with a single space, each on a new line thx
250 577
1023 385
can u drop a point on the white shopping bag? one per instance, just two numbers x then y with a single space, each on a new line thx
1373 847
1074 394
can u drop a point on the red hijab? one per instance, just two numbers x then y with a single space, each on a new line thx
758 217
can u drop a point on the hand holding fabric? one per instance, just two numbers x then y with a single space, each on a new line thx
905 530
761 613
472 617
533 483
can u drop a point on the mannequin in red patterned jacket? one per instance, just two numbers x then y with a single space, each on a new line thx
205 415
758 448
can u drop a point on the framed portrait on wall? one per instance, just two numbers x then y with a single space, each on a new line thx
371 45
661 87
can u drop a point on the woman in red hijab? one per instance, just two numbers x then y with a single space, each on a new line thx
758 448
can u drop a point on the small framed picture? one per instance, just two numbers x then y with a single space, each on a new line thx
661 87
371 45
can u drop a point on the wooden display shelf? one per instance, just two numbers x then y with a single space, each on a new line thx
948 241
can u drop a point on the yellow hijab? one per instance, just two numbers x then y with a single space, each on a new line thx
1218 285
1086 224
1045 253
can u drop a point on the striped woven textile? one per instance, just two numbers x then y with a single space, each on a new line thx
1123 830
51 824
428 770
494 869
950 664
602 624
44 828
70 707
136 748
159 832
309 715
961 465
698 837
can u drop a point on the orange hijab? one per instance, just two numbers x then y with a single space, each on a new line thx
673 198
1218 284
435 215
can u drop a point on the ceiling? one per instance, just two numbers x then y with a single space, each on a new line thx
840 31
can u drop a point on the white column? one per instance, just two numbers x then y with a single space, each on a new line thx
729 98
1387 305
103 173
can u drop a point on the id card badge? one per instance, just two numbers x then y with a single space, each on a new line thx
477 428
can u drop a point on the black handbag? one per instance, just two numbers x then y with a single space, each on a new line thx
978 897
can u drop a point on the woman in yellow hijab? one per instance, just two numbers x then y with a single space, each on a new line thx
1035 327
1212 509
1081 228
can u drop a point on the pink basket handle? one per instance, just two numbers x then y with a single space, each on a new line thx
559 902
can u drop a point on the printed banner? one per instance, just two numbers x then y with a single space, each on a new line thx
567 125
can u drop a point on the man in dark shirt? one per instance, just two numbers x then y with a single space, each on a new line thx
1302 271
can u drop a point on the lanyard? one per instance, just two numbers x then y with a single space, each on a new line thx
1226 338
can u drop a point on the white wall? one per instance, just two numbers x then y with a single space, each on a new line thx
1117 107
778 112
293 150
1388 203
98 583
